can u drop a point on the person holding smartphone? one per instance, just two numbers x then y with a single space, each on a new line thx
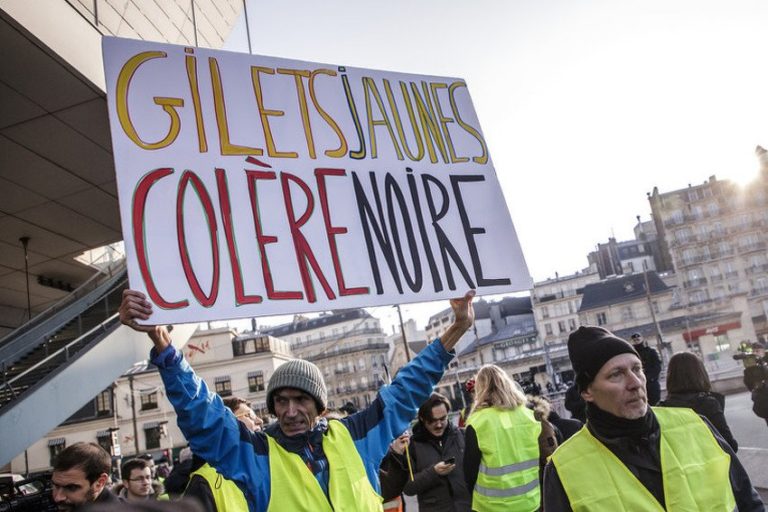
435 475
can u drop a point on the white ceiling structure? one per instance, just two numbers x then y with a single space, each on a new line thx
57 178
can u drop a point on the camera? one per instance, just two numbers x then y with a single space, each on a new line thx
30 495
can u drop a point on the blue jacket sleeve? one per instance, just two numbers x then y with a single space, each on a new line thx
213 432
374 428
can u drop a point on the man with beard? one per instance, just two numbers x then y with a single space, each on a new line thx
80 474
631 456
303 461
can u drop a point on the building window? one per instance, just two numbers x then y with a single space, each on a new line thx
55 447
148 401
104 403
626 313
152 434
601 320
572 324
548 329
545 312
223 386
256 381
722 343
104 439
561 326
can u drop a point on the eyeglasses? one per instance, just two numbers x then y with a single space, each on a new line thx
437 420
141 479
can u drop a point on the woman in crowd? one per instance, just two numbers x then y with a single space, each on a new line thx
501 458
688 386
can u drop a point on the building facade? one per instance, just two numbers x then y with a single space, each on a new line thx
348 346
717 237
135 414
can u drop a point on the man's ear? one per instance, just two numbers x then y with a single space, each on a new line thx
100 482
587 394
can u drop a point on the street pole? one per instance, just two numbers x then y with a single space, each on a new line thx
133 416
653 315
402 331
24 241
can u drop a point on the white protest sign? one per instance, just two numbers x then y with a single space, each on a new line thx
253 185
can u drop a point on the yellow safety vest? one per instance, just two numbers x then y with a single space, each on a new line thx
508 477
694 469
295 489
226 494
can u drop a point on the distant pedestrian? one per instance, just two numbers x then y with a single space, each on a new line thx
651 367
632 457
137 484
501 457
437 457
575 404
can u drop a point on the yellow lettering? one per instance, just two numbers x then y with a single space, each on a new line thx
369 86
342 149
297 78
444 122
398 123
169 104
191 63
227 148
265 113
483 158
428 122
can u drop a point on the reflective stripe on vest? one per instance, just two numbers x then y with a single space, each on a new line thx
695 470
508 476
394 505
294 488
226 494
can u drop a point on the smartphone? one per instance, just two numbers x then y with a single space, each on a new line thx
450 460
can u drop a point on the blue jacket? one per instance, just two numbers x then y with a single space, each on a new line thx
240 455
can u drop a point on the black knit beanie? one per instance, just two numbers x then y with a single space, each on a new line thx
590 348
298 374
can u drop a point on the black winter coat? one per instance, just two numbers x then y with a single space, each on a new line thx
438 493
710 405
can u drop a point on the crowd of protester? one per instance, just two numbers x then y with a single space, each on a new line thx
507 450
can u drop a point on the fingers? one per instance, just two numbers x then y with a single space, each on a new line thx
134 307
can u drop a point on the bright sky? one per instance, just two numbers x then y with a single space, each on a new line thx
586 106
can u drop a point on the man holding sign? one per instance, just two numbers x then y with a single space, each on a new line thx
343 456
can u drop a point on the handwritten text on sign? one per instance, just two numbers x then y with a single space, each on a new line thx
253 185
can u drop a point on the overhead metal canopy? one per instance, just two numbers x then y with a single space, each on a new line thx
57 178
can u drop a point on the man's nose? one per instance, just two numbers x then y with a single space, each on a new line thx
636 380
58 496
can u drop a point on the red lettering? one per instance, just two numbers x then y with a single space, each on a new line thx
263 239
234 258
332 231
137 208
304 252
205 200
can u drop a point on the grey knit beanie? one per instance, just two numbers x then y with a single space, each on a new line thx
298 374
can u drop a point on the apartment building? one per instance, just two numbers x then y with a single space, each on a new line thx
644 303
716 235
348 346
134 413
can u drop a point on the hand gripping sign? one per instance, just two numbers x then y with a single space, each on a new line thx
254 186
